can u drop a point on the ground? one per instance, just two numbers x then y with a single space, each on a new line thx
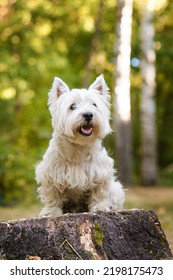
156 198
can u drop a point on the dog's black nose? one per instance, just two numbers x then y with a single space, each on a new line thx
88 116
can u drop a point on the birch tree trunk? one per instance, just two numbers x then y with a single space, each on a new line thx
122 107
148 106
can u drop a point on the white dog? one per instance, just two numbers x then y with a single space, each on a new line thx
76 173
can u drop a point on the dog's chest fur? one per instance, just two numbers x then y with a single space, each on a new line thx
82 169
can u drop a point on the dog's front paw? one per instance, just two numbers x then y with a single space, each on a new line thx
51 212
101 207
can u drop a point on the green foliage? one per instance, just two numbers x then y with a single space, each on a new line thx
39 40
42 39
164 39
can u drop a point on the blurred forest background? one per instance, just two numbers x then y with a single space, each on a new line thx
74 40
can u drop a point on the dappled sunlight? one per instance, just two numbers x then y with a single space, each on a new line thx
8 93
37 44
156 4
43 28
32 4
152 4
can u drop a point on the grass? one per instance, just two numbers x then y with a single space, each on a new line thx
19 212
156 198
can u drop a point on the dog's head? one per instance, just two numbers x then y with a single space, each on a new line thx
81 115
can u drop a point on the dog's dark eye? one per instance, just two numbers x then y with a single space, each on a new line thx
94 105
73 106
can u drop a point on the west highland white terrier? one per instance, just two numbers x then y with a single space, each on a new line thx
76 173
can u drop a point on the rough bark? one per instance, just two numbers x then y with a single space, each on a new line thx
132 234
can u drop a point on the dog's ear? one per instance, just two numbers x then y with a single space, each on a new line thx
100 85
58 88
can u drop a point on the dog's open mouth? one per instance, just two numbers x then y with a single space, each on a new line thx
86 129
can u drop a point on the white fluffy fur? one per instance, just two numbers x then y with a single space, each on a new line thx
76 173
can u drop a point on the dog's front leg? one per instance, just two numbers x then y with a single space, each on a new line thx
51 212
98 200
108 197
52 203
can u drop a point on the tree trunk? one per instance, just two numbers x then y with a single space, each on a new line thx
122 107
133 234
148 106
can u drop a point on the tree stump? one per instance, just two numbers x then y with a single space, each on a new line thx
121 235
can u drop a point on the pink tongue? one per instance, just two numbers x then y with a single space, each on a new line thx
87 130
